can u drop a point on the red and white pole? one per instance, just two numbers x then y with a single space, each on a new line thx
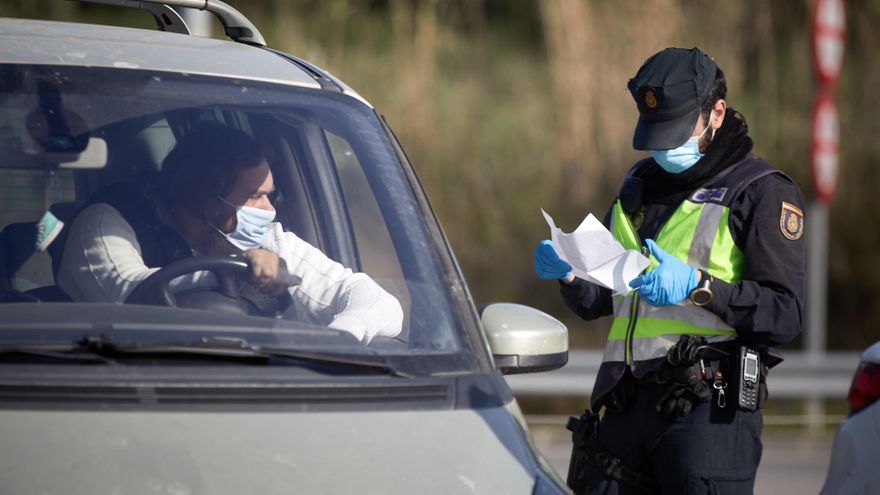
828 36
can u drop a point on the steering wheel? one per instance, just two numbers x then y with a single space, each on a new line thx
154 289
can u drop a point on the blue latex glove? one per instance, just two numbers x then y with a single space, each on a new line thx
548 265
670 283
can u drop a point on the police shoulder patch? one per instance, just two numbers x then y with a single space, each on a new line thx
791 221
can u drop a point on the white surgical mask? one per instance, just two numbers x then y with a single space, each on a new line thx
677 160
251 226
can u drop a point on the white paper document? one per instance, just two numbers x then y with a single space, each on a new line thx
595 255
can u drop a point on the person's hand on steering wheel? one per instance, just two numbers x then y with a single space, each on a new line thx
268 271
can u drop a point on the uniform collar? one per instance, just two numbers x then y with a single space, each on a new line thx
730 145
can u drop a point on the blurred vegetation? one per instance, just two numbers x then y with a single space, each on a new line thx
508 106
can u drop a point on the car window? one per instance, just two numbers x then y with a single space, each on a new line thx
375 247
24 196
340 185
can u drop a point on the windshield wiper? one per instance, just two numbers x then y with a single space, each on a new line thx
62 352
371 361
103 350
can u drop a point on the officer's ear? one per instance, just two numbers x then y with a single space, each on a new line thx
716 116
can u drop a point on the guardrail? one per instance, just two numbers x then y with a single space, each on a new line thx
800 376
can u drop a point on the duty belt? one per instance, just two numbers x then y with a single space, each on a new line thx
709 371
689 377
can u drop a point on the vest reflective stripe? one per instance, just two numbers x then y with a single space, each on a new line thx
696 233
684 311
704 235
615 350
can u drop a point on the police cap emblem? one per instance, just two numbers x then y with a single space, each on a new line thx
650 99
791 221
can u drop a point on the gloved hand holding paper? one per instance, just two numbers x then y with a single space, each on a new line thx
595 255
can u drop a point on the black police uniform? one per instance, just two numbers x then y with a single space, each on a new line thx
766 308
712 449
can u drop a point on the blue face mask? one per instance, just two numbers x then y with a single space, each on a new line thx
677 160
251 226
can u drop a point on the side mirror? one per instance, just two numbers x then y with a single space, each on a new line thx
523 339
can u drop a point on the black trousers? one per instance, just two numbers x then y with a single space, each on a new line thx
712 450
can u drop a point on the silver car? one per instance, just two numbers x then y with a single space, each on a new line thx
189 395
856 451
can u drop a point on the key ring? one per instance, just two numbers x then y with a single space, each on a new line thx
720 385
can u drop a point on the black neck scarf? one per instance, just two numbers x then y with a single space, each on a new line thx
729 146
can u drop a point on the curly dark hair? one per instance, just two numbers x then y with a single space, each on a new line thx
206 163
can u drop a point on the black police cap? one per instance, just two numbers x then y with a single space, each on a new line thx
668 89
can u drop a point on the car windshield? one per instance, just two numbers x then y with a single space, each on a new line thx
341 184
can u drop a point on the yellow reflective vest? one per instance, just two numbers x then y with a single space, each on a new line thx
697 233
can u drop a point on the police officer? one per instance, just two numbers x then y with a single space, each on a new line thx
724 230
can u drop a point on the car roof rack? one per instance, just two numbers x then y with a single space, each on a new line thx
235 24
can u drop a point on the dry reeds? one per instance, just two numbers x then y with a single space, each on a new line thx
507 107
500 123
